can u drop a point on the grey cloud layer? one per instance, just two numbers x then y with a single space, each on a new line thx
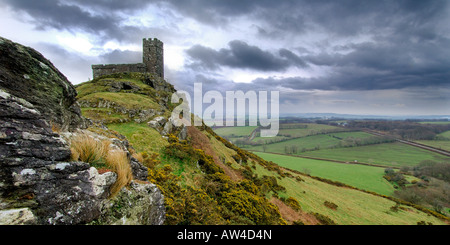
244 56
409 46
346 17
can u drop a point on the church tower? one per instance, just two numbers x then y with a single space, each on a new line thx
153 56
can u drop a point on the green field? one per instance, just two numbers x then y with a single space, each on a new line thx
440 144
445 134
360 176
299 130
235 131
388 154
354 207
309 143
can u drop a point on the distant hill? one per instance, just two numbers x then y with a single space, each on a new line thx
355 116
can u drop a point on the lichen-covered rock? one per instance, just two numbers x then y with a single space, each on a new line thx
35 173
140 172
19 216
157 123
132 206
166 127
25 73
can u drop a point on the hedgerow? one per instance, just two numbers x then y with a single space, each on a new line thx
323 219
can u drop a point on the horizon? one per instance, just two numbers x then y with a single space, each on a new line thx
348 57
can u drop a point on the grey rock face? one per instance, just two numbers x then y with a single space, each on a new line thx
133 205
166 127
19 216
25 73
157 123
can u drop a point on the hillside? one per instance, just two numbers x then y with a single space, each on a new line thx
205 179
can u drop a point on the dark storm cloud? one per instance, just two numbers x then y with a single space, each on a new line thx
357 79
408 41
243 56
54 14
386 65
345 17
99 18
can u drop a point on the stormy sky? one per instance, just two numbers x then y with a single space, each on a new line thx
345 56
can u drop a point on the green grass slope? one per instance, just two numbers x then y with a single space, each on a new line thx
354 207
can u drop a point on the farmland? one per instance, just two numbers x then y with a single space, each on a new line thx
353 207
389 154
235 131
439 144
360 176
315 142
359 153
338 143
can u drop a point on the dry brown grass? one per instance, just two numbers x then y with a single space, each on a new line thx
118 161
97 153
87 149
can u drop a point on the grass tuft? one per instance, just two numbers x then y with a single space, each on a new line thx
97 153
87 149
119 163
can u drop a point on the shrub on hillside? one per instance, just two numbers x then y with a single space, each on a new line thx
253 207
293 203
330 205
323 219
147 160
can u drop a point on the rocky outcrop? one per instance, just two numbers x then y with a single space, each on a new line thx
25 73
167 126
159 84
139 204
35 174
38 182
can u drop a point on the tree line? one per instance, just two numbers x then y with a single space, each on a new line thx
432 188
406 130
